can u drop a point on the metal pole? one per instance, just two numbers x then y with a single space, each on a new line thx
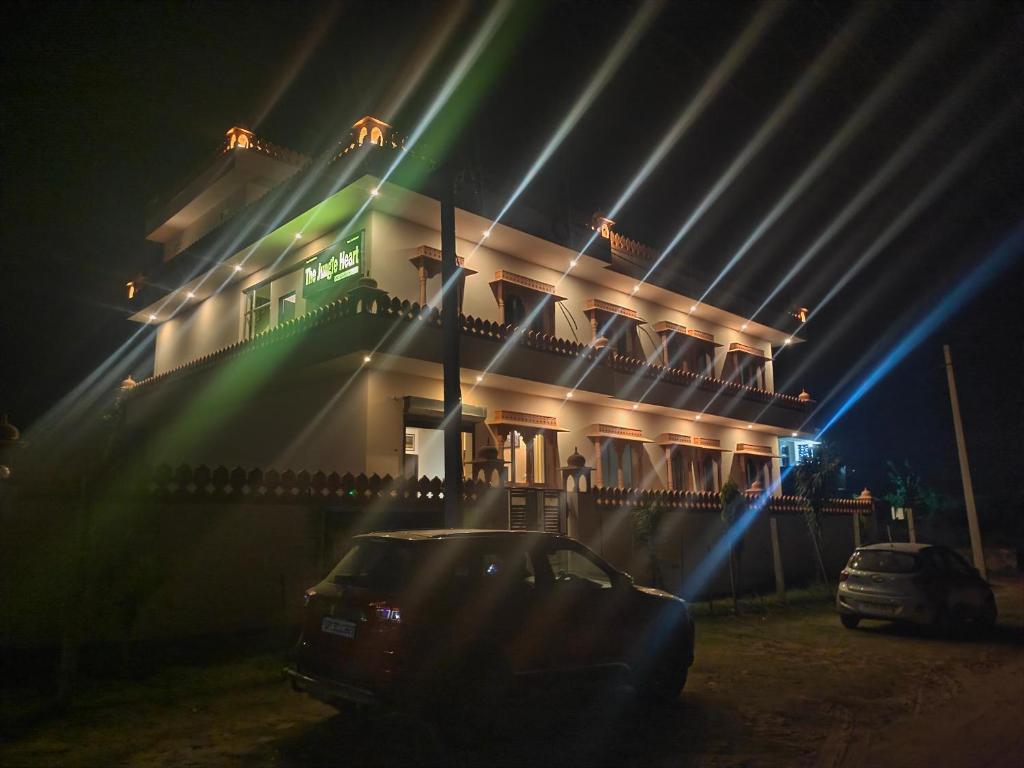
911 533
977 553
450 356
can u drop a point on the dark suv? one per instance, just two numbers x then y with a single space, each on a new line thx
452 614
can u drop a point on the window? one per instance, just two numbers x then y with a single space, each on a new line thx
515 311
384 565
884 561
569 566
613 458
286 307
707 472
517 458
257 310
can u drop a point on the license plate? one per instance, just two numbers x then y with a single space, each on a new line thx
339 627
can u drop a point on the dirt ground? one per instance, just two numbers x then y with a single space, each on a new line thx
778 685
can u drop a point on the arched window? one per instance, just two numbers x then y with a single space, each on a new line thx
362 135
376 137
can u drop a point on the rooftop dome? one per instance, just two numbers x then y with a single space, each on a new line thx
576 459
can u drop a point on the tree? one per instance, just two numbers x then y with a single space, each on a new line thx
733 503
817 480
646 523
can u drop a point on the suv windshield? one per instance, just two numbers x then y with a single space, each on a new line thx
884 561
384 565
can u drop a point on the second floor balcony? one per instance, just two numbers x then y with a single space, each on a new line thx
367 321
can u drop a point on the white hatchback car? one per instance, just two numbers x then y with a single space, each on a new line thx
916 583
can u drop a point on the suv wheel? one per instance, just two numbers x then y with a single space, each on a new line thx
849 620
661 684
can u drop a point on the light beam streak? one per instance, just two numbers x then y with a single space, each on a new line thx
814 75
861 117
894 164
997 262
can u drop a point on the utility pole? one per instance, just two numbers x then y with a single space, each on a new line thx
977 553
450 355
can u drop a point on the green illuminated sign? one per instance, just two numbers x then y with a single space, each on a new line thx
333 265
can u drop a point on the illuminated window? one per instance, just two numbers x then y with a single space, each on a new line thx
286 307
362 135
257 310
376 137
517 458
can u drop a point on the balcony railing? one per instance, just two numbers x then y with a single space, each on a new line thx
376 306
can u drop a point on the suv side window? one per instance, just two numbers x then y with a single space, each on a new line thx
571 566
956 564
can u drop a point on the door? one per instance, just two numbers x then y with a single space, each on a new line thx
967 593
580 597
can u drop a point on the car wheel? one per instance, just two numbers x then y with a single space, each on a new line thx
942 623
987 618
662 684
849 620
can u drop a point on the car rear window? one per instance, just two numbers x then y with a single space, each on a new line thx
383 565
884 561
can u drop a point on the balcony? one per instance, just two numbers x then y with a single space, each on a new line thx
369 320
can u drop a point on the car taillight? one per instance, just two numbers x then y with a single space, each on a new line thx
844 575
386 613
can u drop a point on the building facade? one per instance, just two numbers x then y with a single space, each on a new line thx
296 323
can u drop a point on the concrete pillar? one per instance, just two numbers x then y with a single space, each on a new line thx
856 529
668 468
598 476
530 458
780 579
620 474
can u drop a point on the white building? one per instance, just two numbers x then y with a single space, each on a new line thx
258 365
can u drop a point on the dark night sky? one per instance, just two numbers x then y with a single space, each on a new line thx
108 105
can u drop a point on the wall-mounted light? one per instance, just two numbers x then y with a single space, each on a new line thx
298 235
366 358
191 294
238 267
750 426
479 379
568 395
374 192
152 317
793 435
697 417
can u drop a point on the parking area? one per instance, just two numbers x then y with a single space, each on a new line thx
777 685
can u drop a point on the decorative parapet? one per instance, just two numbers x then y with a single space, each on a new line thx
672 438
434 254
241 138
665 327
763 450
710 501
735 346
399 310
707 442
619 433
504 276
664 499
519 418
592 305
221 484
631 249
